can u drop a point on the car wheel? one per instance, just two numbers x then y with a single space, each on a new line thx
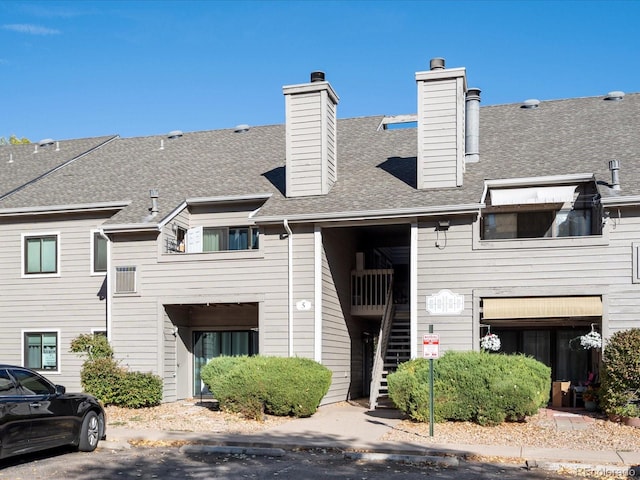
89 433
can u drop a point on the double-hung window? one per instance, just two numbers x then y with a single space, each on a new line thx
40 254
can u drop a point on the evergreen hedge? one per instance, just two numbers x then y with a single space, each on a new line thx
480 387
257 385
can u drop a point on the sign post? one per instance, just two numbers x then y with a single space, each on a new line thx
431 350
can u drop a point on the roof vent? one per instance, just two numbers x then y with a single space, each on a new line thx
614 167
531 103
616 95
46 142
174 134
436 64
242 128
317 77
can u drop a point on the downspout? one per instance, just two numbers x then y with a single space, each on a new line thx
290 283
108 282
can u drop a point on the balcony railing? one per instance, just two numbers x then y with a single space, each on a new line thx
369 289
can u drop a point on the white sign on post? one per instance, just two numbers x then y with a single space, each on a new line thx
431 345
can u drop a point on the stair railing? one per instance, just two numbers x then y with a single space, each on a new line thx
381 349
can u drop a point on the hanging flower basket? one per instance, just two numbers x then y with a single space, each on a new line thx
586 342
490 342
591 340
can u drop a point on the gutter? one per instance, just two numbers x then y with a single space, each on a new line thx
133 227
630 200
7 212
290 283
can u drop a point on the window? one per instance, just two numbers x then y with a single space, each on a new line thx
41 254
7 387
234 238
221 239
41 350
99 253
126 279
540 212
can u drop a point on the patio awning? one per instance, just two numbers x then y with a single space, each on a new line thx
541 307
532 195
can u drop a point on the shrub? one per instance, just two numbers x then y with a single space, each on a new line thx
472 386
103 377
256 385
620 372
94 346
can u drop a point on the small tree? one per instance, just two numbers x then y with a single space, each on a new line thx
13 140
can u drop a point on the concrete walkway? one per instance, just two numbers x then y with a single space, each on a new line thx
353 428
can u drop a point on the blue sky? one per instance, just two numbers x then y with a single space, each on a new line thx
80 69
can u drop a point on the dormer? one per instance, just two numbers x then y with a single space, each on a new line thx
441 126
311 137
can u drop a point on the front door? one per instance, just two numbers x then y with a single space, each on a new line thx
211 344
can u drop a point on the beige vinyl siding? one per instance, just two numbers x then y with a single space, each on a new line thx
169 356
440 133
304 145
68 302
580 268
303 289
311 139
337 352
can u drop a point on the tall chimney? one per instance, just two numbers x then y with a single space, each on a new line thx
311 137
472 127
441 126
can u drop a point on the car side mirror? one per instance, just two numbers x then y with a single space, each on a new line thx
60 390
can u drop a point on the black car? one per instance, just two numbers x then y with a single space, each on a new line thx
36 415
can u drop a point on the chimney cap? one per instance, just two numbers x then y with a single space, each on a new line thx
436 63
242 128
174 134
317 76
45 142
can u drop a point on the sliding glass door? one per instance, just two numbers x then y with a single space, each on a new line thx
211 344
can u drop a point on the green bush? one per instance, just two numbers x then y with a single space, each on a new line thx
620 374
472 386
94 346
102 378
112 384
256 385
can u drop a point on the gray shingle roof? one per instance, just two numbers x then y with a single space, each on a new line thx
22 163
376 169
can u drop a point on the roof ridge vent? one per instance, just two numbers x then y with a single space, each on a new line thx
242 128
615 95
530 103
173 134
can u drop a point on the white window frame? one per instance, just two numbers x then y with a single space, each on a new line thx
23 333
23 254
92 256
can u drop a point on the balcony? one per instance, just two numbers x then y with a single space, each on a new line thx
369 290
